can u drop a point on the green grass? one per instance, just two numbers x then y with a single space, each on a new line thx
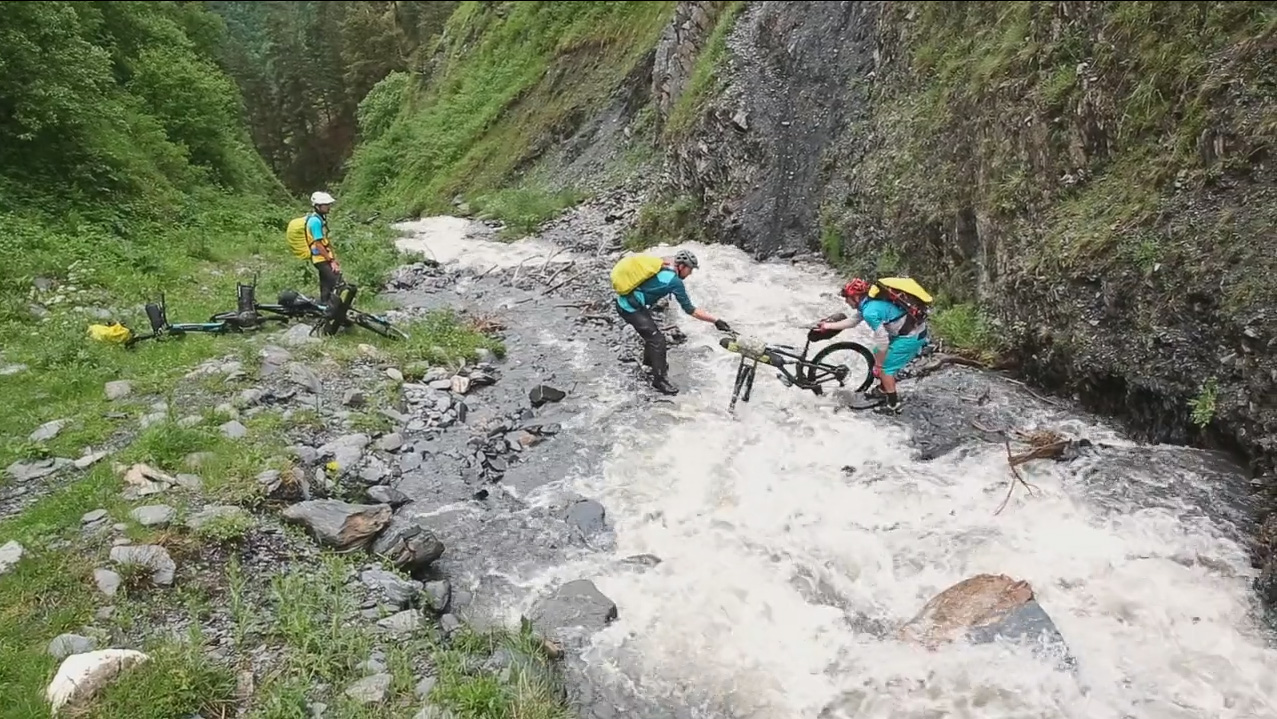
665 220
965 327
995 102
531 691
523 208
704 82
512 78
302 613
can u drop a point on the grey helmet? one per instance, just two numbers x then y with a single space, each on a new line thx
684 257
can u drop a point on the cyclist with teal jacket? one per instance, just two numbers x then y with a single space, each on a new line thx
898 338
634 308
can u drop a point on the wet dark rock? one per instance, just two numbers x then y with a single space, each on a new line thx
387 495
409 544
399 591
588 516
575 605
338 524
543 394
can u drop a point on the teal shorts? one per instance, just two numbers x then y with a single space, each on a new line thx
900 352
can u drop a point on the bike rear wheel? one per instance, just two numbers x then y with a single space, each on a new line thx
376 324
820 366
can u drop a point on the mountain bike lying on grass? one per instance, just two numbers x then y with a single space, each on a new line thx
810 374
294 305
161 328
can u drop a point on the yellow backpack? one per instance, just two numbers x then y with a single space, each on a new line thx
633 270
906 294
298 241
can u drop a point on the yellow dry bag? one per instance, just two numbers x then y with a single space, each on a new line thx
633 270
114 333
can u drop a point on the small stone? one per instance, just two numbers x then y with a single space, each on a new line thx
401 623
10 554
394 374
370 690
234 430
390 442
440 593
460 384
400 592
543 394
441 384
64 645
118 389
96 515
424 687
48 430
353 398
90 459
108 582
151 556
155 515
387 495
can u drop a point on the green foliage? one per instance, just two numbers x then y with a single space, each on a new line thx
305 67
510 78
379 107
180 679
965 327
112 104
666 221
995 88
1203 405
532 692
523 209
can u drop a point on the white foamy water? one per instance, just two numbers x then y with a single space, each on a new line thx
737 507
444 240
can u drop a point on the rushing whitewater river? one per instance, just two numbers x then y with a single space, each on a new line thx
794 538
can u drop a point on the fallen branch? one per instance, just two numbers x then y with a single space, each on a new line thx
551 257
1049 451
1015 478
1035 395
519 269
557 272
564 282
938 362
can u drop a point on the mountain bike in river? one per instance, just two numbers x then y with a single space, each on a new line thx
809 374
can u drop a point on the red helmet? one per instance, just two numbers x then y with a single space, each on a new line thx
856 287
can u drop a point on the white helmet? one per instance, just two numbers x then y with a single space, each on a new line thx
321 198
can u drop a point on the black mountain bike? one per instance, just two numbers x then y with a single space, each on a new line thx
294 305
809 374
161 328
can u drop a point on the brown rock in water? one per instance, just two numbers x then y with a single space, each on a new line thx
975 602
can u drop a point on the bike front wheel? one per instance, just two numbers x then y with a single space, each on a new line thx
859 364
376 324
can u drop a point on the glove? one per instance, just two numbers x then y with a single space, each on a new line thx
722 326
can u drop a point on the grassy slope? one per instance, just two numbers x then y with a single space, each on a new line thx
510 79
127 173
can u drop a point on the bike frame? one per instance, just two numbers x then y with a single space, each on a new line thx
157 314
747 369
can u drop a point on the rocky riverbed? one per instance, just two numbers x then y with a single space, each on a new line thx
462 496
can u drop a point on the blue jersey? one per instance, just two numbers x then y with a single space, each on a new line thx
665 282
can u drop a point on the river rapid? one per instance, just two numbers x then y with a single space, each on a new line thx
793 537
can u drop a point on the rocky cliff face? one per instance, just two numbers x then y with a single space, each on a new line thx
1097 176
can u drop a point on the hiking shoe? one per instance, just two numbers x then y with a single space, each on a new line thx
890 409
660 384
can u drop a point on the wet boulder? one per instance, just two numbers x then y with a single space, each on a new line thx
987 608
